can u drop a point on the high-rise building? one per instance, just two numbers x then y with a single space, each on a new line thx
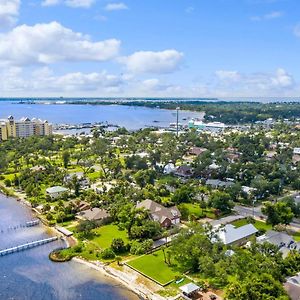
23 128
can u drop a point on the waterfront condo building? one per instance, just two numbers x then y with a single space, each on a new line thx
23 128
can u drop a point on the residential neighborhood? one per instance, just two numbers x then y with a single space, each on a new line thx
177 215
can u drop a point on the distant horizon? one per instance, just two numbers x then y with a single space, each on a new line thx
171 99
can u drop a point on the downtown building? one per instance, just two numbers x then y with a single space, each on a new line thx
11 128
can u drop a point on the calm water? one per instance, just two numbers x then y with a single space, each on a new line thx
129 117
31 275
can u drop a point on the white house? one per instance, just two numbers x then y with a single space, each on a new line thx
230 235
56 191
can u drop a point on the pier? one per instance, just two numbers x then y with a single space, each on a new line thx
27 246
30 223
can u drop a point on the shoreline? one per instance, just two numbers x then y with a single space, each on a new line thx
123 279
119 276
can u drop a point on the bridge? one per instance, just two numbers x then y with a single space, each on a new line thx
27 246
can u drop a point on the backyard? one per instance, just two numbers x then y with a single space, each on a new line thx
154 267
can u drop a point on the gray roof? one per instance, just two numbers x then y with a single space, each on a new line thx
158 212
230 234
189 288
292 286
293 290
56 189
94 214
218 183
279 239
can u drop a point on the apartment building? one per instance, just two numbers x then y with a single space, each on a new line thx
23 128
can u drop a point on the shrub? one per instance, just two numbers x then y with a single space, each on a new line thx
141 248
7 182
78 248
118 245
108 253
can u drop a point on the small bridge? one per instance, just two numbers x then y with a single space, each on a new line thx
27 246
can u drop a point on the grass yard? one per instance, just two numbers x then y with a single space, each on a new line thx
296 236
105 235
153 266
260 225
195 209
94 175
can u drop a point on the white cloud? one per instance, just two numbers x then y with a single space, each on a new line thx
297 30
9 12
269 16
50 43
233 83
228 75
282 79
116 6
166 61
50 2
79 3
44 81
70 3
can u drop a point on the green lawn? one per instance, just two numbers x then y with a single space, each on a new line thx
154 266
94 175
296 236
195 209
105 235
260 225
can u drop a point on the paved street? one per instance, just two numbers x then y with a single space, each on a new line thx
256 213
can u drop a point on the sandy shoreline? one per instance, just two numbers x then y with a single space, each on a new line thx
121 277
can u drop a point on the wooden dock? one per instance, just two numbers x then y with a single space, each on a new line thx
27 246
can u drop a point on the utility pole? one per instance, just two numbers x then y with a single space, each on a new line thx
253 203
177 118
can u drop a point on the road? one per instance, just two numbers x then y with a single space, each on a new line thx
256 213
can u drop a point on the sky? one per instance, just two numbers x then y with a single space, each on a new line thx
150 48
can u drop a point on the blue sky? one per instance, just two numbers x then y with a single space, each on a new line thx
173 48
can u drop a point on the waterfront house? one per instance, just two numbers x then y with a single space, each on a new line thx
166 216
56 191
94 214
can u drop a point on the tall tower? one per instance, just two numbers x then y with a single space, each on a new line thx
177 120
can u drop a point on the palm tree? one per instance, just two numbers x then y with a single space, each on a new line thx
118 260
163 250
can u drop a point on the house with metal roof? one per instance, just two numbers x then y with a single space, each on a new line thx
231 235
56 191
189 289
